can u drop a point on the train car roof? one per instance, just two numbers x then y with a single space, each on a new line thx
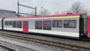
63 15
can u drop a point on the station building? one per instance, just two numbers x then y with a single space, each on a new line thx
7 13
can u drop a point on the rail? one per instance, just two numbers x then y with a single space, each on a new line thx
50 43
6 48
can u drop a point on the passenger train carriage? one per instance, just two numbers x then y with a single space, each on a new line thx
68 25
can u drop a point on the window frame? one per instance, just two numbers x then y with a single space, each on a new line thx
39 25
7 22
50 25
58 23
19 24
69 21
14 24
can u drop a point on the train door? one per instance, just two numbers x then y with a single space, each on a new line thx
25 26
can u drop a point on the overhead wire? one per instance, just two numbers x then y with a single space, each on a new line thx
53 3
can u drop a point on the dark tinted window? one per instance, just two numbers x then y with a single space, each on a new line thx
14 24
69 23
10 22
26 25
57 23
19 24
47 25
38 24
6 22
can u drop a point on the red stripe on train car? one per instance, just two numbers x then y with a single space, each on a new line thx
46 16
88 27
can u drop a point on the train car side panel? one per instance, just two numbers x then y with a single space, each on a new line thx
71 32
54 25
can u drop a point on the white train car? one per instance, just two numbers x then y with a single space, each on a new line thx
61 25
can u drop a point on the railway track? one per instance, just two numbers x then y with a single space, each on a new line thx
3 48
49 43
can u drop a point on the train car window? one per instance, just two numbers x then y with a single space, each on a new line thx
14 24
26 25
47 25
69 23
6 22
38 24
10 22
57 23
19 24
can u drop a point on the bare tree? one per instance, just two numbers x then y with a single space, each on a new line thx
44 12
56 13
62 12
77 7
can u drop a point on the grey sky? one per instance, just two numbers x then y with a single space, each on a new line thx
51 5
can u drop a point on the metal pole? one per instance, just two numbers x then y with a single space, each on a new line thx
27 7
35 11
18 8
